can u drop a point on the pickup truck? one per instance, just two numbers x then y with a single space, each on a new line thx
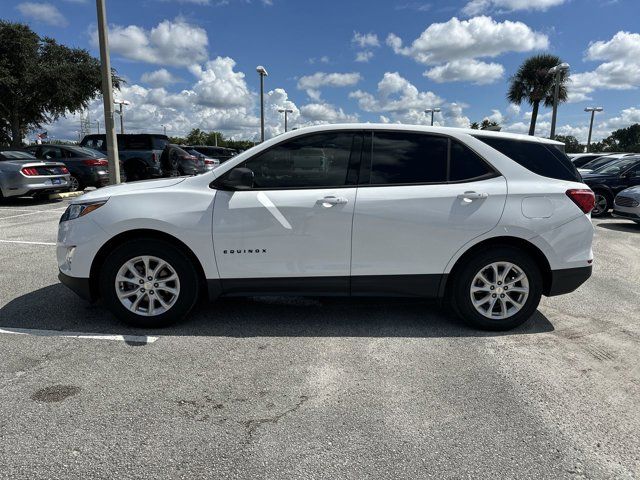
139 153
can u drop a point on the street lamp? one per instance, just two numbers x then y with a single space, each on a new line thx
593 111
121 103
263 73
164 128
285 111
107 94
98 124
557 71
432 111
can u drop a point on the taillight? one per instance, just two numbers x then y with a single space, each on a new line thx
64 170
30 171
583 198
153 157
209 162
101 162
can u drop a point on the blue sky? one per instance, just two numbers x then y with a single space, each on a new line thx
191 63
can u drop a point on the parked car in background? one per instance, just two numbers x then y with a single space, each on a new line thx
601 161
581 159
139 153
487 221
87 167
610 179
627 204
221 153
22 174
176 162
209 163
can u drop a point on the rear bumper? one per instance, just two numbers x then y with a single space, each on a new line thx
567 280
81 286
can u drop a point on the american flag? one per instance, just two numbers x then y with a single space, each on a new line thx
42 135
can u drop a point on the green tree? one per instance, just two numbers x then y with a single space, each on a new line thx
484 125
571 143
621 140
41 80
533 84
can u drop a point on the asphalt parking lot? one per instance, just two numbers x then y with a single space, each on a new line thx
315 388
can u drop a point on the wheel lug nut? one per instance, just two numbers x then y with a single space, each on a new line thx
149 278
155 285
151 292
499 283
142 290
501 295
492 287
494 295
141 282
506 288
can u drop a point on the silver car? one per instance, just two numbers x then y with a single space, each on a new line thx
627 204
22 174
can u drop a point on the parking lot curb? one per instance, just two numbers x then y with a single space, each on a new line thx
55 196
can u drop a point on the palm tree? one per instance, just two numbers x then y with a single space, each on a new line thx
533 84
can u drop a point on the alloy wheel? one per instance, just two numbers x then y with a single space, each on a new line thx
499 290
600 204
147 285
74 184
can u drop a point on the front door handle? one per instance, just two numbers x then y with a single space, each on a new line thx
471 196
330 201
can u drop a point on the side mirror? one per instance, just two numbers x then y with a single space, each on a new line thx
238 179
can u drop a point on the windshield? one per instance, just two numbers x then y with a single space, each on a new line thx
617 166
598 162
16 155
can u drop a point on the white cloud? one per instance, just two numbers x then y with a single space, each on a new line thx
364 56
42 12
171 42
464 39
620 69
470 70
313 83
475 7
365 40
219 85
395 94
159 78
324 112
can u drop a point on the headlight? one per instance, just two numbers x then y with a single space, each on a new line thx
80 209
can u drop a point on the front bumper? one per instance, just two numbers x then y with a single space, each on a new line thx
567 280
627 213
81 286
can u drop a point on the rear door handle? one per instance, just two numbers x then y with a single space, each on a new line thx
470 196
330 201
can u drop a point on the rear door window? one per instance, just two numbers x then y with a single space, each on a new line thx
408 158
466 165
541 159
134 142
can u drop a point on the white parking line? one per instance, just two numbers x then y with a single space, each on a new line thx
22 214
79 335
24 242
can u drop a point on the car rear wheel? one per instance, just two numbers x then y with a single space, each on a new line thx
497 290
602 204
149 283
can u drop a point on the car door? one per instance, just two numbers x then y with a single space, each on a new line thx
421 198
292 230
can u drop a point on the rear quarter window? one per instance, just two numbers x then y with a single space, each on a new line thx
539 158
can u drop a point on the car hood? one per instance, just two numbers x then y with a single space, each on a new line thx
631 192
125 188
596 176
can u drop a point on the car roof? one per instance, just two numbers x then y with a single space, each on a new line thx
425 129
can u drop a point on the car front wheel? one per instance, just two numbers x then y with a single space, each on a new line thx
499 289
149 283
602 204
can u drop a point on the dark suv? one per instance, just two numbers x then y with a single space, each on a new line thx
610 179
139 153
221 153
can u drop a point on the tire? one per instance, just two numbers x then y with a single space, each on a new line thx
134 170
131 256
74 184
505 314
603 204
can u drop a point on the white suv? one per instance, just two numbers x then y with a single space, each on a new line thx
489 221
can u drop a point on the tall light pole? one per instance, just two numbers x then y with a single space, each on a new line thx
121 112
285 111
98 125
263 73
164 129
593 111
107 95
557 72
432 111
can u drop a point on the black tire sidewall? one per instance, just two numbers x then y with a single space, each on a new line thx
183 266
461 300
